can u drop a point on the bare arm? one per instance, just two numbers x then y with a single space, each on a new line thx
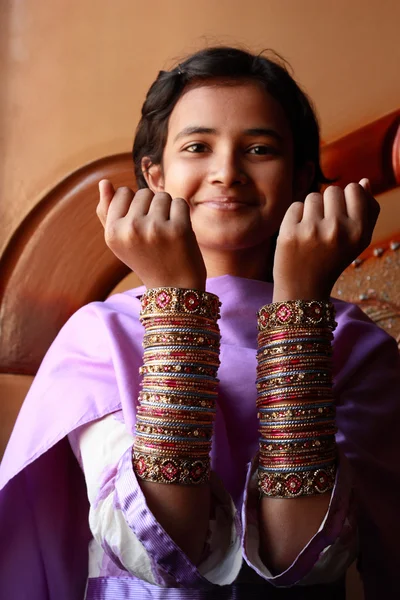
184 513
170 259
287 525
317 240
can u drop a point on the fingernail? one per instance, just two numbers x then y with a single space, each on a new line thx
365 183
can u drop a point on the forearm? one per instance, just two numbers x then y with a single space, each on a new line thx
286 527
183 512
175 417
297 459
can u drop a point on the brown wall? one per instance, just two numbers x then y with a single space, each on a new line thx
74 73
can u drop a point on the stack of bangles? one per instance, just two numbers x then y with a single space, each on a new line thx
294 400
178 398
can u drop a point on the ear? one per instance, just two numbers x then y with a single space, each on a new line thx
153 175
303 178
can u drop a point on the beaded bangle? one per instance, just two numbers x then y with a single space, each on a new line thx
168 470
300 464
297 312
284 394
164 301
202 401
299 411
302 348
295 484
295 405
187 369
284 332
179 387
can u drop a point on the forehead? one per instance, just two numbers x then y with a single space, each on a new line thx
234 106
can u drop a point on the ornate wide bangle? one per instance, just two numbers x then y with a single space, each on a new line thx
298 313
168 300
294 484
161 469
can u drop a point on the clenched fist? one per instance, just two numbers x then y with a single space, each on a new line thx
320 238
152 234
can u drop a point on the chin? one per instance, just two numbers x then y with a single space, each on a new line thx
234 243
233 234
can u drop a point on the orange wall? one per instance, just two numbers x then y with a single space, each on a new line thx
74 74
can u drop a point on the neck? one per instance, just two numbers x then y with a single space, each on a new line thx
250 263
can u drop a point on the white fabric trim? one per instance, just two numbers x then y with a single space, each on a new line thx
100 446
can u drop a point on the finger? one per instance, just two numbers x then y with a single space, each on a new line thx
293 216
106 194
160 206
334 203
120 204
180 212
356 202
106 190
374 206
313 208
140 207
365 183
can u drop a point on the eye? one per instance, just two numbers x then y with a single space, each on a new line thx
196 147
261 150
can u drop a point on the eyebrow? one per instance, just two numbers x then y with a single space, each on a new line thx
253 132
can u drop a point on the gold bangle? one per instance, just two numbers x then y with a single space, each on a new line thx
184 471
170 300
301 313
293 485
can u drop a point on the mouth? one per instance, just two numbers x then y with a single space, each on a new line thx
227 203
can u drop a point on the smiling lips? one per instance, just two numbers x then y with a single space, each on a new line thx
227 203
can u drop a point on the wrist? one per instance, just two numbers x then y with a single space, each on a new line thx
187 282
284 293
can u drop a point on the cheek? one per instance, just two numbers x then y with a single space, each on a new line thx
276 183
182 179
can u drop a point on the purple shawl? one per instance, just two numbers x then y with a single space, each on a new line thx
91 370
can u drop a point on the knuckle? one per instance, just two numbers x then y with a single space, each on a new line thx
310 232
110 235
134 231
178 229
144 193
352 187
314 197
333 230
162 196
334 189
295 209
124 189
357 233
124 192
355 236
153 230
288 240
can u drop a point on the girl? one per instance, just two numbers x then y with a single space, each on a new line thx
268 481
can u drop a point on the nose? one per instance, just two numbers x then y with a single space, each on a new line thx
226 169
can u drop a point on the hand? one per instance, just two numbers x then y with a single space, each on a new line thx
320 238
152 234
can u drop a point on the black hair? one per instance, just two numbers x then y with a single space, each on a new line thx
235 64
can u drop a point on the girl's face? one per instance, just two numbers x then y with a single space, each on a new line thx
229 154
